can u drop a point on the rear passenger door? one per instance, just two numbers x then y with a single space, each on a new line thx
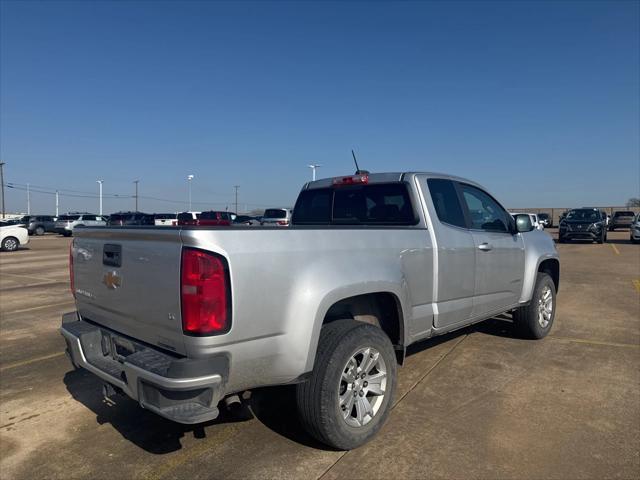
499 253
454 272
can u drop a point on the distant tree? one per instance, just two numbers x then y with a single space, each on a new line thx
633 202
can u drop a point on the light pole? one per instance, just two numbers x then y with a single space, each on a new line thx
57 203
2 183
28 200
99 182
313 167
236 188
136 195
189 178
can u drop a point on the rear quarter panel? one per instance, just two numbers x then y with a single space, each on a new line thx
285 280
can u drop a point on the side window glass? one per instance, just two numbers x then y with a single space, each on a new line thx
445 200
88 217
485 212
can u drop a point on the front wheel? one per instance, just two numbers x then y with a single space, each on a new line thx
39 231
10 244
535 320
348 396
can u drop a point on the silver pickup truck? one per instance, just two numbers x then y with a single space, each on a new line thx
182 318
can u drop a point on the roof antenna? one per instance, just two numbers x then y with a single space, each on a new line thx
358 171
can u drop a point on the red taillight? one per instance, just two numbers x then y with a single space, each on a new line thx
71 280
351 180
204 288
283 222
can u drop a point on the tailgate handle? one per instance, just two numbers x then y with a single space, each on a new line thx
112 255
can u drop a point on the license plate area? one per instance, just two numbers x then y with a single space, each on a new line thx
116 347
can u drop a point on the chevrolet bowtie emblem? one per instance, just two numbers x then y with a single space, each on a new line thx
112 280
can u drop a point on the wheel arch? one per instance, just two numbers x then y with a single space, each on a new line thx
364 304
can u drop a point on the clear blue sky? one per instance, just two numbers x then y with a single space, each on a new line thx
538 101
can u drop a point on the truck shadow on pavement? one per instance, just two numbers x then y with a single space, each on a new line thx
274 407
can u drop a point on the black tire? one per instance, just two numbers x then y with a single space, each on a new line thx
318 396
525 319
601 239
562 240
39 231
10 244
66 234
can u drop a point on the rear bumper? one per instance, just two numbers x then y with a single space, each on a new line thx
180 389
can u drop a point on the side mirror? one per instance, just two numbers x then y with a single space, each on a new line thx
523 223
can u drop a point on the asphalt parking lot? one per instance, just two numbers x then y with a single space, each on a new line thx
478 403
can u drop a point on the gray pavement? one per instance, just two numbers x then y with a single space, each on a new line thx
479 403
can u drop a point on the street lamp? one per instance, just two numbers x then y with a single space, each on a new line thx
313 167
189 178
2 183
136 182
99 182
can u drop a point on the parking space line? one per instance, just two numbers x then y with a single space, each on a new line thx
594 342
68 302
636 283
30 361
30 277
615 249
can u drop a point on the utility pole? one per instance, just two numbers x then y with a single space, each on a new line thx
313 167
2 183
136 195
99 182
236 188
57 203
189 178
28 200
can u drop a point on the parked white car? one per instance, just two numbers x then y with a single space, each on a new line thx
165 219
534 219
634 231
66 223
12 236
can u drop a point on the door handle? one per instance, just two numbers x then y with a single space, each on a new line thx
485 247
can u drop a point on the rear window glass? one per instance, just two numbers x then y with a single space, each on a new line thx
185 216
624 214
377 204
275 213
165 216
68 217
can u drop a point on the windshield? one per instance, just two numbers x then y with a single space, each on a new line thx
584 215
68 217
275 213
623 214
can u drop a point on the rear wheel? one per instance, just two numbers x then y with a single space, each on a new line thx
535 320
10 244
348 396
39 231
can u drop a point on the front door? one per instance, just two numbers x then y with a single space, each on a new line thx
499 253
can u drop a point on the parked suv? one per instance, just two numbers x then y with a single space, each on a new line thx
165 219
583 224
120 219
39 224
621 219
66 223
276 217
545 220
210 218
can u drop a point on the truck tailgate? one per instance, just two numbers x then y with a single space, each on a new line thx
128 280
